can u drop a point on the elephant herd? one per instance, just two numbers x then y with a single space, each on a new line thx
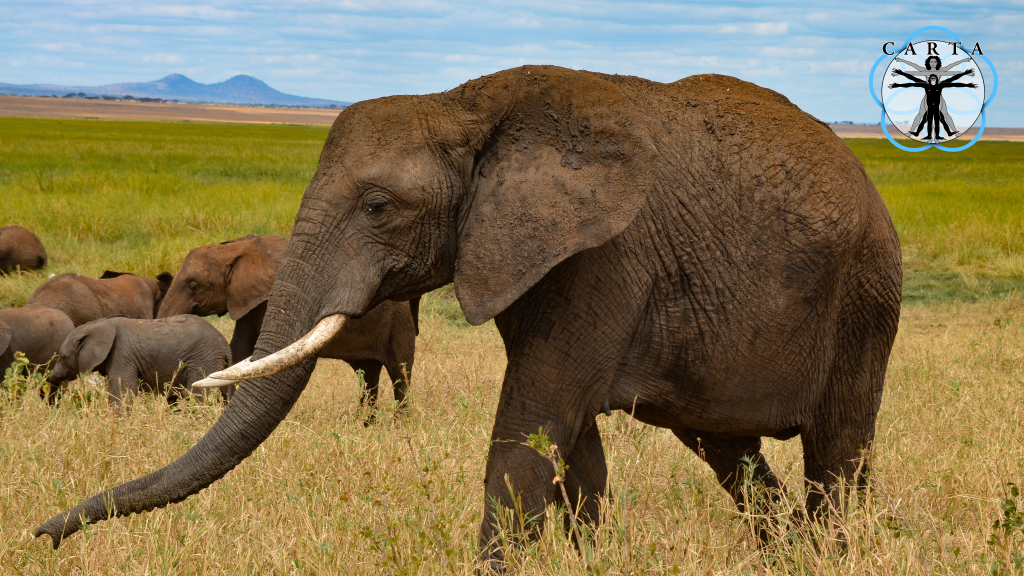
146 334
701 254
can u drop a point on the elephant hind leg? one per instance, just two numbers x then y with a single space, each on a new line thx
368 395
837 439
837 442
189 375
741 469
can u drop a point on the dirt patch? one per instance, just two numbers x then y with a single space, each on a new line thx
120 110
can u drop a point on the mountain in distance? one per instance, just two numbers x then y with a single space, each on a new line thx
240 89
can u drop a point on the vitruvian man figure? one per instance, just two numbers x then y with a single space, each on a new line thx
933 65
935 112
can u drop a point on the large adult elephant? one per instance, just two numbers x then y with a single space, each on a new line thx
702 254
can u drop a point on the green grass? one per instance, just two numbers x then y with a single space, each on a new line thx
137 196
960 216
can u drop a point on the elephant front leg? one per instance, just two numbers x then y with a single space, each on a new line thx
586 478
247 331
517 487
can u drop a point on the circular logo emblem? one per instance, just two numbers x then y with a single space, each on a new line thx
933 91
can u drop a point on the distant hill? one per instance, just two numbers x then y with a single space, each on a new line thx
239 89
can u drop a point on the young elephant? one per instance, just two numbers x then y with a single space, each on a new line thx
19 248
166 355
235 277
86 299
36 332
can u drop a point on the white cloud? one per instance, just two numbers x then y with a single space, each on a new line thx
163 59
295 72
464 58
189 11
786 52
58 46
771 28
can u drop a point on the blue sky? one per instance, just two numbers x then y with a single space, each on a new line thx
351 50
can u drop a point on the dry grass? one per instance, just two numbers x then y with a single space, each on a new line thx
324 495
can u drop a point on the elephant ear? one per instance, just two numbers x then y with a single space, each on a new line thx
251 274
164 281
565 166
108 274
5 338
94 345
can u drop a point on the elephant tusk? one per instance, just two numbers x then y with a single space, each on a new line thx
303 348
211 382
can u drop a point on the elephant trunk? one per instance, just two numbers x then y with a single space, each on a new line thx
254 412
175 302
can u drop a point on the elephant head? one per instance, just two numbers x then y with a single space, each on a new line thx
232 277
489 185
84 350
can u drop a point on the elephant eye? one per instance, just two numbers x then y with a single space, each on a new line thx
376 206
193 286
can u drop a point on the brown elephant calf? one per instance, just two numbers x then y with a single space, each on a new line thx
86 299
167 356
235 278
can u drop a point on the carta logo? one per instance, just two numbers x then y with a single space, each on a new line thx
933 91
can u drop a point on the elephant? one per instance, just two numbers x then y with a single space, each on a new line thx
36 332
235 277
20 248
167 355
86 299
701 254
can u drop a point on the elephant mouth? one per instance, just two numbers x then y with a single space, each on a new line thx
300 350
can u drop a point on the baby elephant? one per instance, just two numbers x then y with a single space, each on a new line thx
167 354
36 332
86 299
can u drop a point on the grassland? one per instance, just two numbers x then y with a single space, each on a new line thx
324 495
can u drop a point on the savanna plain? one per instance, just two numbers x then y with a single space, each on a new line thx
326 495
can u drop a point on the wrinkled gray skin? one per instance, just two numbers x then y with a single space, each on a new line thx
235 277
701 253
86 299
167 356
36 332
20 248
